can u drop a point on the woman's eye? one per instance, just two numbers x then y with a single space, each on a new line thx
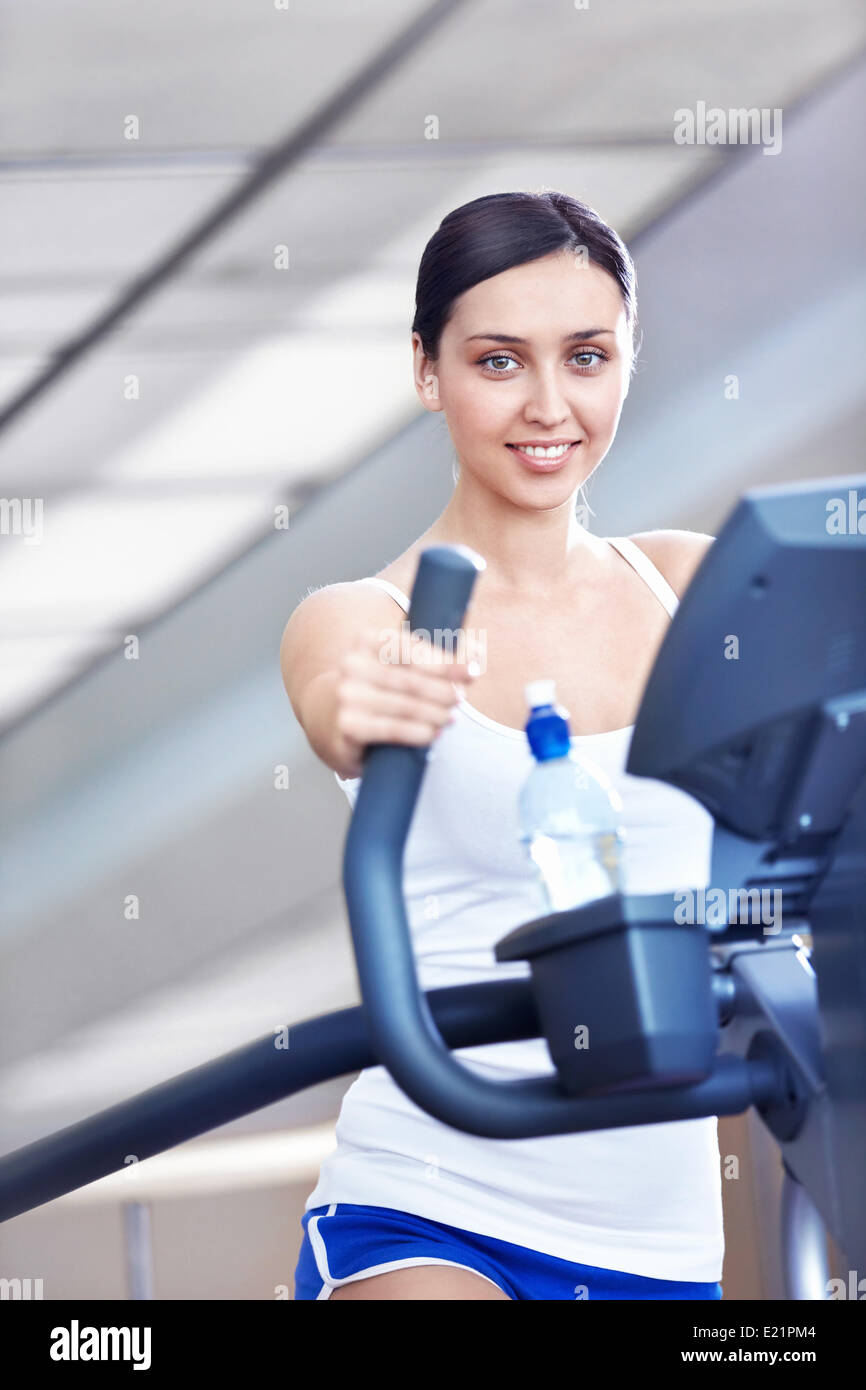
591 352
586 353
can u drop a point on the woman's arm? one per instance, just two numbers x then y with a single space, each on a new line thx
350 684
315 639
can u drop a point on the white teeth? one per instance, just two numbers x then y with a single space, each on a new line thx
533 452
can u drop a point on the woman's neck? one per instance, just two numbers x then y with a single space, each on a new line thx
526 552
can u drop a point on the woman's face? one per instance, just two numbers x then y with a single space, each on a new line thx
566 380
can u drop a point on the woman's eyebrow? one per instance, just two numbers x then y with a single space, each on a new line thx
524 342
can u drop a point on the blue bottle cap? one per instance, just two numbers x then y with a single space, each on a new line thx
547 728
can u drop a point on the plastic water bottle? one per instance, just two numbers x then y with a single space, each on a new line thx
569 811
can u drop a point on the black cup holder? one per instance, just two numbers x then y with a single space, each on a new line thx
624 993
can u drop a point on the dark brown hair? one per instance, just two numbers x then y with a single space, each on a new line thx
501 230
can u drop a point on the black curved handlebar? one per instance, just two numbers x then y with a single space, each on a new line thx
400 1023
401 1027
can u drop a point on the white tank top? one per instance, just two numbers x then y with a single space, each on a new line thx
645 1200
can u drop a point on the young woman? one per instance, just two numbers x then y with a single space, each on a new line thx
524 339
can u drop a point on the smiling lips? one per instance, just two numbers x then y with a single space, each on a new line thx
544 456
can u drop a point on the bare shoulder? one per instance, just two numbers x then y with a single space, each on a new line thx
349 602
323 626
676 553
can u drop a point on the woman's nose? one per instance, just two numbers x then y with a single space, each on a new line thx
546 402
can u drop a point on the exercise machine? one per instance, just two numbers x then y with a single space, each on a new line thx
706 1000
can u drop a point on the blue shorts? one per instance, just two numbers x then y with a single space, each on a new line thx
344 1242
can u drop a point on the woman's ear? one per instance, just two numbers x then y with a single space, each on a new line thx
426 380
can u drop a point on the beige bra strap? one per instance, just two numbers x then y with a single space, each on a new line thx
649 573
389 588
